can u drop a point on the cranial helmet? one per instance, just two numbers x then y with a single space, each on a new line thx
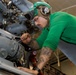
38 8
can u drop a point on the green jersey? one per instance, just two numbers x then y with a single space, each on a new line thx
62 26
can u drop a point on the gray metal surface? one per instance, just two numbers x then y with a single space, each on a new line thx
9 46
16 28
3 8
69 50
23 5
9 66
1 17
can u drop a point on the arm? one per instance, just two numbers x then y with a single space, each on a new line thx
27 39
44 57
33 44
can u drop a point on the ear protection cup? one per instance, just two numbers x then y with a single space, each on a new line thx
41 8
45 11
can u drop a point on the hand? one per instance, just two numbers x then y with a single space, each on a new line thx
34 72
26 38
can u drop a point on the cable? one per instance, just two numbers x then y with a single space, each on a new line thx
68 7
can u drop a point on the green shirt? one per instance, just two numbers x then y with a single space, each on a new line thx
62 26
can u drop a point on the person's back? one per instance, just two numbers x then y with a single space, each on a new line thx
62 26
67 43
67 21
